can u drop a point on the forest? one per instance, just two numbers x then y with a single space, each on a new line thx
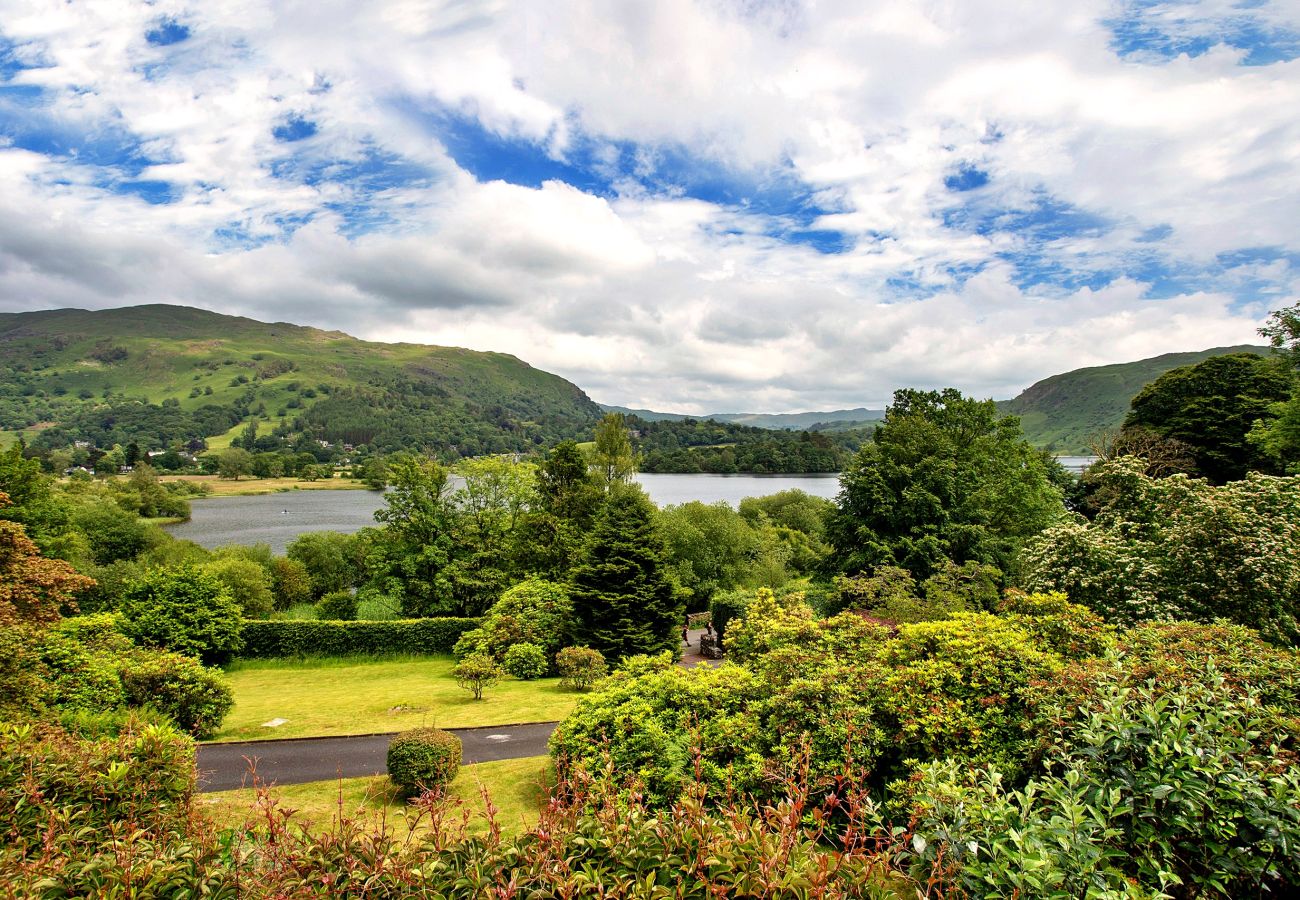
971 675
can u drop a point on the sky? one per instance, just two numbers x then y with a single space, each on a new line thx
725 205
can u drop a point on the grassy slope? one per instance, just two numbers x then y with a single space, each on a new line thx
518 789
173 349
1063 413
360 696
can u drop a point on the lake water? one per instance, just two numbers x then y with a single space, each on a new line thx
277 519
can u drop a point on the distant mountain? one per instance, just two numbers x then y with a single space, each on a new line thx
834 420
1065 412
172 374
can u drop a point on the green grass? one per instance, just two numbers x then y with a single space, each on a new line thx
518 788
348 695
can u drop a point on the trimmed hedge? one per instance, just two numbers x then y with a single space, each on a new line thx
264 639
423 759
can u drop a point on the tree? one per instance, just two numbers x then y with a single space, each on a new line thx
1277 436
944 478
234 462
624 599
183 609
612 459
1180 548
33 589
247 582
711 547
568 498
496 494
332 560
409 559
476 672
1211 407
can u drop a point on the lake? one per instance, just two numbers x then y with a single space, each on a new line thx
277 519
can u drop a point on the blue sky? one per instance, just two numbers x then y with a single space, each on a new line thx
692 206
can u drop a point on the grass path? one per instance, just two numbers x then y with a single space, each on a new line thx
518 789
336 696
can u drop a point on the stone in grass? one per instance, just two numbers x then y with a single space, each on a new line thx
423 759
275 723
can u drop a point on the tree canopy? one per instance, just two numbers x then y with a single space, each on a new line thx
944 478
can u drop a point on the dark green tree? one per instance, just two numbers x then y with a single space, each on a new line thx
1211 407
183 609
410 557
943 479
552 532
624 600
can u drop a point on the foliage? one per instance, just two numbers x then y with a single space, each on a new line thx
724 608
624 599
580 667
191 695
423 759
477 672
1151 794
1179 548
892 594
247 583
534 610
488 510
653 721
338 606
711 548
612 459
270 639
33 589
1210 407
798 521
183 609
411 558
944 479
766 624
49 778
331 559
525 661
290 582
552 532
114 533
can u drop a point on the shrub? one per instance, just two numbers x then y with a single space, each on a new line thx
193 696
77 677
580 667
290 582
185 610
535 611
338 606
264 639
247 582
423 759
143 774
1176 794
477 672
724 607
525 661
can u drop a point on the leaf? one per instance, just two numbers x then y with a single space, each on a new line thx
918 843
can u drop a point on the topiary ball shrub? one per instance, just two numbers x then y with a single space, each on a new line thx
338 606
525 661
423 759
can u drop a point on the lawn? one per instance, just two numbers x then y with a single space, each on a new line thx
360 695
518 789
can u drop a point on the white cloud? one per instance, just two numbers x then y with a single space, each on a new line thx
642 296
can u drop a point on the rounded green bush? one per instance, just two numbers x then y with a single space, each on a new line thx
525 661
423 759
339 606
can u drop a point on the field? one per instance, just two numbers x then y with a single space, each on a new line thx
359 695
517 787
245 487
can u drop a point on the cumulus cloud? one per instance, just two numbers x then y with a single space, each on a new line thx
697 206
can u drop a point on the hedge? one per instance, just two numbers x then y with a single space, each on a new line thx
263 639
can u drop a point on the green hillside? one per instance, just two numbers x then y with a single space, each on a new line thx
831 420
1065 412
174 375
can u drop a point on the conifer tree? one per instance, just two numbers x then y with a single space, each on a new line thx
625 601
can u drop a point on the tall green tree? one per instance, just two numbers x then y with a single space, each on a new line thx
943 479
568 498
1211 407
495 496
624 600
1277 437
613 460
409 559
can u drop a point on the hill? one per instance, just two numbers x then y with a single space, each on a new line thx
1065 412
832 420
163 375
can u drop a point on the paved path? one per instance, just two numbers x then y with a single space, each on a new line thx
226 766
691 651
